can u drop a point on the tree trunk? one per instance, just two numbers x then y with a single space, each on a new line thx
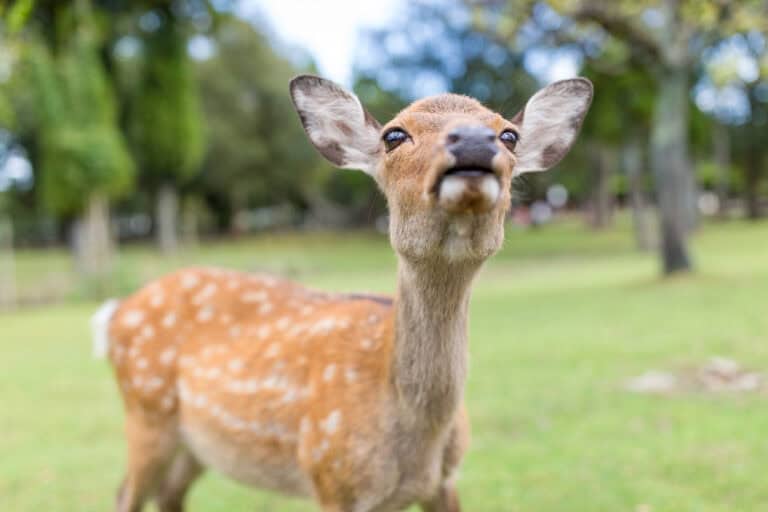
602 198
754 211
190 221
7 265
92 244
166 219
633 165
722 144
669 159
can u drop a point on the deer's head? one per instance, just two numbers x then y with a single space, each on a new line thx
445 163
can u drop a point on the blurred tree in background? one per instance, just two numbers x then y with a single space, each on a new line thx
255 157
665 38
70 115
156 106
166 124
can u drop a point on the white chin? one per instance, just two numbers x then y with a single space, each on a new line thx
456 191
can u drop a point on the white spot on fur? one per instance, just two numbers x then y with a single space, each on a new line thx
154 384
283 322
167 356
235 331
157 300
350 374
251 297
325 325
272 351
169 320
265 308
205 314
189 281
133 318
366 344
167 402
142 363
331 424
206 293
148 332
319 451
236 365
329 372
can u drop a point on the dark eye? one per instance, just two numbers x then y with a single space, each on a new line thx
509 138
394 138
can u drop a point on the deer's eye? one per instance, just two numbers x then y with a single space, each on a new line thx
509 138
393 138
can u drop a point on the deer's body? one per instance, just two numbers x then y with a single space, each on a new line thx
355 401
277 386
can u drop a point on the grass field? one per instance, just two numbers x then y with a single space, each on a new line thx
559 320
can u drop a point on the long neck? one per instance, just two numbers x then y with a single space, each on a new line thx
430 357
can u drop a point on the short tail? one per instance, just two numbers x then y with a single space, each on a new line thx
100 327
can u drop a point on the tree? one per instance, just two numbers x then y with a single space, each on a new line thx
253 159
80 156
665 37
166 125
617 130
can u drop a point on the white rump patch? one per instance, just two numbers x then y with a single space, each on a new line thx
100 327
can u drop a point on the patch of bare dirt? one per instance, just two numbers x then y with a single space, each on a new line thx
718 375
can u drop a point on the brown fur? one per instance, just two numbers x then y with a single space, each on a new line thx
355 401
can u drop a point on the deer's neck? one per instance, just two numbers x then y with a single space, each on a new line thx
430 357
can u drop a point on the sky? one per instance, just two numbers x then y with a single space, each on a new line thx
326 28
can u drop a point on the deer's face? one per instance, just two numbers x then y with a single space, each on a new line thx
446 162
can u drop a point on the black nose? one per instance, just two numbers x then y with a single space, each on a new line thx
472 145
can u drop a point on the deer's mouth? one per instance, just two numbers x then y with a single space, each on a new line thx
467 189
468 171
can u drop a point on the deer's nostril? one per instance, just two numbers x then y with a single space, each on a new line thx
453 138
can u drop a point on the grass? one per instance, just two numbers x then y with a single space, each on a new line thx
560 318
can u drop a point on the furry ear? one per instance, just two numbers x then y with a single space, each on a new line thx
336 123
550 122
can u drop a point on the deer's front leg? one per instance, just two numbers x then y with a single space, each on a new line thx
447 500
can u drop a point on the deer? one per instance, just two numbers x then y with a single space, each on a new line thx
353 401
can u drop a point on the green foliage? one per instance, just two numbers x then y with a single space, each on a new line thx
81 150
166 125
17 14
257 151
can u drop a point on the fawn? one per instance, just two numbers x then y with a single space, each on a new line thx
352 400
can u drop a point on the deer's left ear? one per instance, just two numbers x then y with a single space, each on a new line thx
336 123
550 122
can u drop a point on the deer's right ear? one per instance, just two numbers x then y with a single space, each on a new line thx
336 123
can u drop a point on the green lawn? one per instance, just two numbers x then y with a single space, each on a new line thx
559 320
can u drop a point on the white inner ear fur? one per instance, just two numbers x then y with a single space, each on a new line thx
335 118
551 122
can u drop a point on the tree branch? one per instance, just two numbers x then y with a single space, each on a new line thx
621 28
